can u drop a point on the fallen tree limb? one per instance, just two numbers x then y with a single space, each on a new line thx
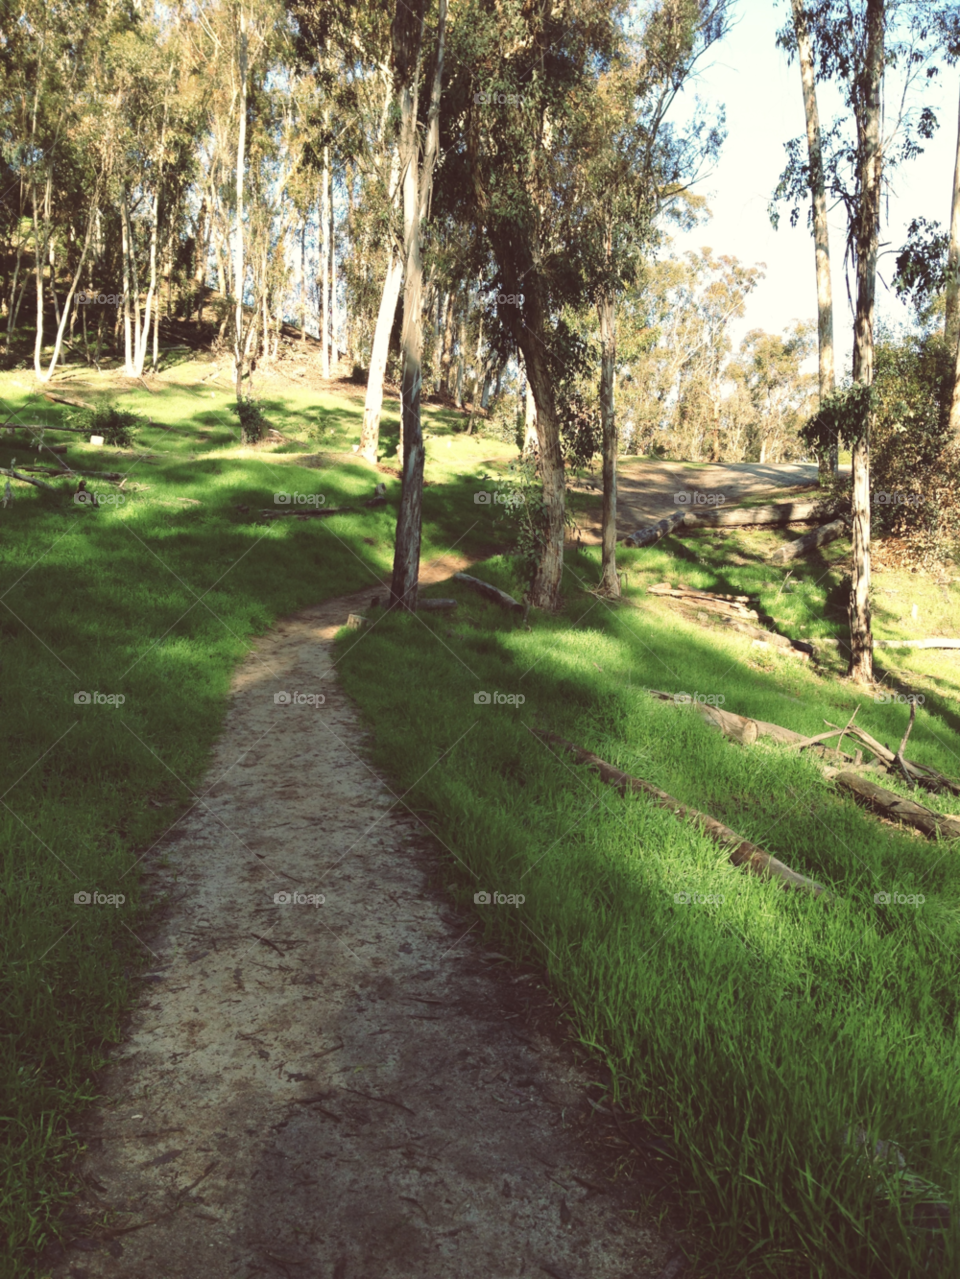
654 532
798 648
27 480
803 545
65 399
896 807
491 592
319 514
741 851
664 588
924 643
436 606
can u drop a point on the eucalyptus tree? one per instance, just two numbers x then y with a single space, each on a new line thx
635 165
796 40
861 45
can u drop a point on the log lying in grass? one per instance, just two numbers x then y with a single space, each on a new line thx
654 532
320 514
740 850
924 643
796 648
896 807
736 727
436 606
35 448
491 592
726 604
40 484
66 399
738 516
803 545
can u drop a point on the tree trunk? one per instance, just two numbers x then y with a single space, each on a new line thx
239 353
131 333
417 191
334 348
869 163
951 328
325 265
303 283
529 421
45 377
446 347
821 233
607 313
370 431
545 587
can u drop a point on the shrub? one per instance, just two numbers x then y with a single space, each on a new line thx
117 426
253 425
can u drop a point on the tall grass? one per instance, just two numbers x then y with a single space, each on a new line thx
754 1029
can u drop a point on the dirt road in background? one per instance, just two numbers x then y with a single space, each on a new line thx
647 491
349 1090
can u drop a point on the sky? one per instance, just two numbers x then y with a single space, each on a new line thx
764 106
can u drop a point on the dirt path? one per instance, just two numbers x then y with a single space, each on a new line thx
647 491
352 1090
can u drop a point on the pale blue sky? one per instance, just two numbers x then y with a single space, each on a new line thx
750 75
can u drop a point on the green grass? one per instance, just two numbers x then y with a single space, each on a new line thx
753 1032
750 1032
155 600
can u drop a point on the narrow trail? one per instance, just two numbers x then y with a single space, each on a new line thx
349 1090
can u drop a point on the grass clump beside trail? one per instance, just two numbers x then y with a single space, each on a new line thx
143 604
752 1027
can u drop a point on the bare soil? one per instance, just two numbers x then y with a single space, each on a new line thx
357 1089
647 491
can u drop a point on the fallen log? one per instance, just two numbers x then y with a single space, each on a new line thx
35 448
491 592
736 727
803 545
797 648
896 807
738 516
436 606
664 588
924 643
319 514
65 399
654 532
27 480
741 851
703 599
46 426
